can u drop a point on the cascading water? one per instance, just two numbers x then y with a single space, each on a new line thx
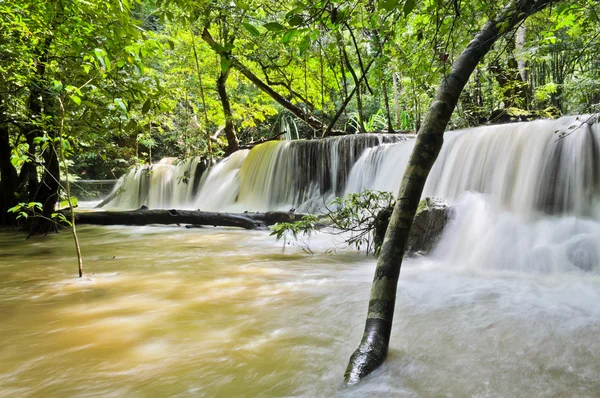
165 184
301 174
526 196
274 175
534 192
523 167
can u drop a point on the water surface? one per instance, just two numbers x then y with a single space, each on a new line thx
165 311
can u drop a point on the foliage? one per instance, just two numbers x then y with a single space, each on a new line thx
354 216
34 209
138 82
296 230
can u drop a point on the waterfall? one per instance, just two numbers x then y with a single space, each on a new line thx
527 196
276 175
165 184
527 168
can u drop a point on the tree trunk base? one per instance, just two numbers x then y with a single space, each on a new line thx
371 352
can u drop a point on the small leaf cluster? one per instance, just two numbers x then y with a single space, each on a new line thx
354 216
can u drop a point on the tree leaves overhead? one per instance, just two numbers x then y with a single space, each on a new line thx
388 5
409 6
130 83
274 26
251 29
289 35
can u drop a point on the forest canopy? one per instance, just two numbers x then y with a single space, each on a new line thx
108 85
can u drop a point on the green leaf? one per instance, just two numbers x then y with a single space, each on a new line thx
171 44
296 20
121 105
274 26
58 86
146 106
75 99
65 203
242 5
251 29
15 209
388 5
289 35
409 6
100 56
225 64
66 146
304 44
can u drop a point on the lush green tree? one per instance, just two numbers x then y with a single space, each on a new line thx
145 79
373 347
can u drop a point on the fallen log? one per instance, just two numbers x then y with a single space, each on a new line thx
193 217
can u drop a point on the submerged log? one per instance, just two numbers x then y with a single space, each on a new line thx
194 217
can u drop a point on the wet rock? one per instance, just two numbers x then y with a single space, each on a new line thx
431 218
583 254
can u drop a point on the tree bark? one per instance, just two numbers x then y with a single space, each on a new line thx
192 217
47 194
373 348
519 47
329 130
45 191
232 141
310 120
357 82
396 102
8 178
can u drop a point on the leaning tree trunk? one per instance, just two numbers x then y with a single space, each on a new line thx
310 120
232 141
373 348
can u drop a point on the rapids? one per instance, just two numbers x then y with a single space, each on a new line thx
217 312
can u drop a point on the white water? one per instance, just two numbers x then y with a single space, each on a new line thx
524 167
274 175
223 313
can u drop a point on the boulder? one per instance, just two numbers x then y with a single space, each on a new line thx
430 219
429 222
583 253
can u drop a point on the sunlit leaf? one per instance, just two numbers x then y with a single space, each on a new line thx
75 99
409 5
274 27
251 29
289 35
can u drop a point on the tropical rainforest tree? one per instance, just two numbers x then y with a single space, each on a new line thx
373 348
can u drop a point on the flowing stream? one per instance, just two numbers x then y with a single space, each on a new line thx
224 313
505 305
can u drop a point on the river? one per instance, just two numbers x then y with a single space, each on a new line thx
168 311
